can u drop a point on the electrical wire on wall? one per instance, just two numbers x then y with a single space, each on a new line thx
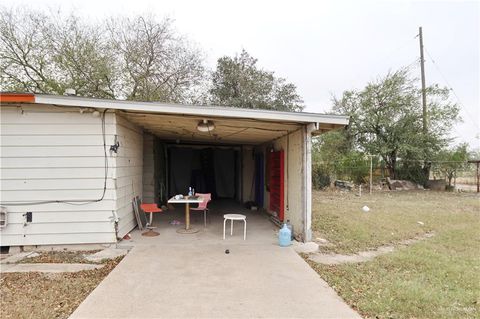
76 202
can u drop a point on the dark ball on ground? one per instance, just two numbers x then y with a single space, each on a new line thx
227 251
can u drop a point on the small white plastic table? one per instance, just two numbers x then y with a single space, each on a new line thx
233 217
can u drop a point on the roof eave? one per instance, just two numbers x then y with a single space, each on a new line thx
213 111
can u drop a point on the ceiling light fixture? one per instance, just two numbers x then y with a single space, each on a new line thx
205 126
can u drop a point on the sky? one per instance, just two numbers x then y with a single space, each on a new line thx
326 47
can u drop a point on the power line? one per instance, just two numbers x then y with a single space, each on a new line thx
414 63
453 90
389 55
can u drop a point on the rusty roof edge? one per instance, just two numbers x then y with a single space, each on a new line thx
7 97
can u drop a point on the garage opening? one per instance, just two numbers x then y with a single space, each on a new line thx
205 168
256 157
232 174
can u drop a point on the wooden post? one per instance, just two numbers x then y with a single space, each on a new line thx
478 173
426 164
371 173
478 178
424 91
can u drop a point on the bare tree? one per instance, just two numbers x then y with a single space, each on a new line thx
131 58
155 63
83 57
48 53
25 62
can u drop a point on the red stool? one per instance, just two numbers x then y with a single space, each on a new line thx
150 208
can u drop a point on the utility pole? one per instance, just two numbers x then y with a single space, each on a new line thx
424 92
426 163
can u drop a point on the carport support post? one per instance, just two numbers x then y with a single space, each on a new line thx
307 180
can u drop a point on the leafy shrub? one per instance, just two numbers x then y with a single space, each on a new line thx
353 167
411 172
320 177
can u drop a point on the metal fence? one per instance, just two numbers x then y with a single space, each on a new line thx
464 178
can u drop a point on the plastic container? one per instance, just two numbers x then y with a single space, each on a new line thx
284 236
290 226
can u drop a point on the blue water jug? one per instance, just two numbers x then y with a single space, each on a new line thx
284 236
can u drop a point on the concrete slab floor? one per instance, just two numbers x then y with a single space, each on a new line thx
259 229
16 257
190 276
48 267
107 253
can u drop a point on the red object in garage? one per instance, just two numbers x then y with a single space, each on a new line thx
276 185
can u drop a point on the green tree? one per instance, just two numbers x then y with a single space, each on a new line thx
239 82
450 161
386 119
328 150
333 156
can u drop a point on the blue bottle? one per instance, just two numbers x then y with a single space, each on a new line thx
285 236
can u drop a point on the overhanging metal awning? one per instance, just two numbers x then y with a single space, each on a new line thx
227 130
179 122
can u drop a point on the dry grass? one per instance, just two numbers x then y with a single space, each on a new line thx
61 257
393 216
39 295
435 278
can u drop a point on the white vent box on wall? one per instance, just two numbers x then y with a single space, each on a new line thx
3 217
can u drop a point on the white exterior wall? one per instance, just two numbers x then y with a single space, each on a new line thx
129 172
49 153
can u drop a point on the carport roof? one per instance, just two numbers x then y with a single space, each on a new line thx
173 121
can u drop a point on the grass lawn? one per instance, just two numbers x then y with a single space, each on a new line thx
435 278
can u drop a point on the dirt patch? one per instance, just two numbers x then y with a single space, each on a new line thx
363 256
37 295
60 257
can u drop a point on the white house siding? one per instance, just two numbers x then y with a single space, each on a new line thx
129 171
49 153
148 169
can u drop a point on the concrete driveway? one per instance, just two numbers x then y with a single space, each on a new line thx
190 276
